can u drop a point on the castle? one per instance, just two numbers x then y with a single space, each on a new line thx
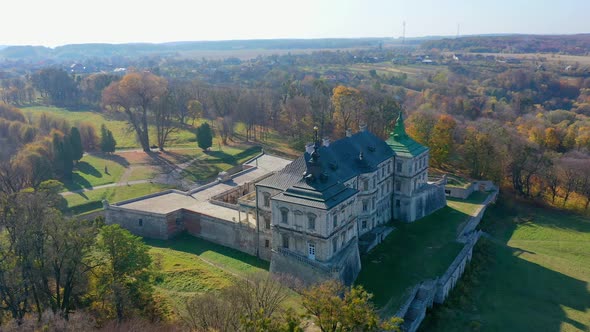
311 217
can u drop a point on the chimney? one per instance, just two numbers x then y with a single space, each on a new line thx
309 148
326 142
363 127
348 132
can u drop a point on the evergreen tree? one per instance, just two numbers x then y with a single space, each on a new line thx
76 144
204 136
107 141
62 155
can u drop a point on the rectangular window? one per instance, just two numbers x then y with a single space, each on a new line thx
399 166
266 199
140 222
266 223
343 238
397 203
398 185
266 243
285 241
365 205
365 185
311 222
335 221
364 224
285 216
335 244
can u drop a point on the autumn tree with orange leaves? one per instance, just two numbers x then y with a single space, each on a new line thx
136 94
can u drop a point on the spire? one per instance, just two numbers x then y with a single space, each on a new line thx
399 131
315 155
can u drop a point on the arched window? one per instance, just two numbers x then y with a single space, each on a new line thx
266 197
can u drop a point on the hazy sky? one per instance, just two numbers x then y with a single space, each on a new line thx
58 22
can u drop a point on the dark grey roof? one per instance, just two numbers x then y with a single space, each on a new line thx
341 158
286 177
337 163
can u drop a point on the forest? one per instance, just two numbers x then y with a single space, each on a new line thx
523 123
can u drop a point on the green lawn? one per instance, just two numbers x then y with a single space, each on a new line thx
90 172
414 252
216 161
91 200
114 122
470 205
143 172
188 265
533 274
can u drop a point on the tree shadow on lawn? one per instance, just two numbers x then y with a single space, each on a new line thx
88 169
178 158
501 291
502 218
116 158
77 183
412 253
194 245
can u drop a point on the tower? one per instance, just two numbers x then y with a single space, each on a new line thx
404 33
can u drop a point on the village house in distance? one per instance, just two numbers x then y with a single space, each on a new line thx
311 217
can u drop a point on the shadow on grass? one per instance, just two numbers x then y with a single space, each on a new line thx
178 157
116 158
88 169
77 183
502 292
507 214
477 197
193 245
414 252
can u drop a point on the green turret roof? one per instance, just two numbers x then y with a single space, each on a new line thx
402 144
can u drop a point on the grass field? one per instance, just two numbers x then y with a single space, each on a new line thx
90 172
470 205
414 252
114 122
216 161
532 274
91 200
189 266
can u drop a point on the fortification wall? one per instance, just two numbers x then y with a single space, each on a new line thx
463 193
425 294
345 267
150 225
235 235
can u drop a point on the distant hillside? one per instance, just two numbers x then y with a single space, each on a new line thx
565 44
79 51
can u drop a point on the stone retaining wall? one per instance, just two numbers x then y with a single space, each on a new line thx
463 193
425 294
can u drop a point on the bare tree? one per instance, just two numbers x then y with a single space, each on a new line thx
136 93
224 102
